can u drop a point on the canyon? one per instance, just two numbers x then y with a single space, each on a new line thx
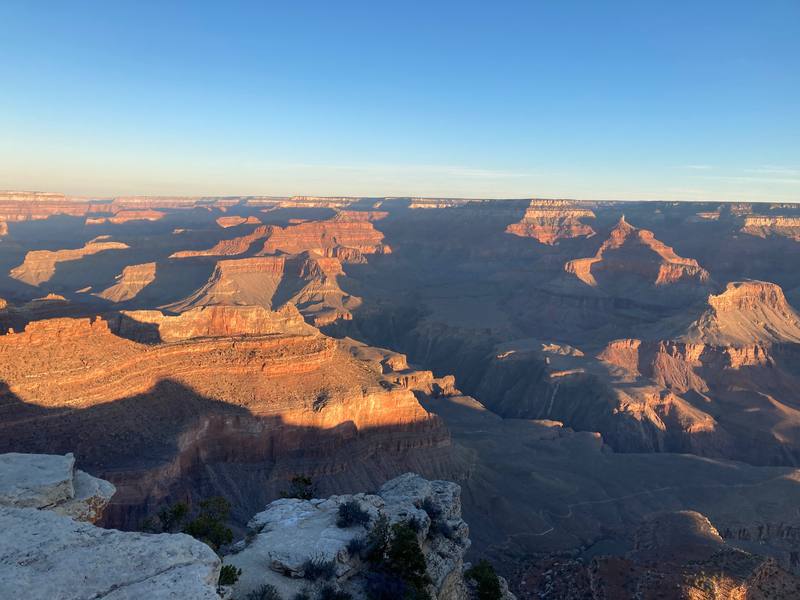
591 374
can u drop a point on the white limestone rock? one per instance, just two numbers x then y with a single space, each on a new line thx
35 480
50 481
45 556
291 532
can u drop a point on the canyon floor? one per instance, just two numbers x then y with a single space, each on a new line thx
582 369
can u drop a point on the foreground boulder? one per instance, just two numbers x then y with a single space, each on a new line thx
52 482
300 546
48 553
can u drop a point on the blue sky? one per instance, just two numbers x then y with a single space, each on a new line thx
630 100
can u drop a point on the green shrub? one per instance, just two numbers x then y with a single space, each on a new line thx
172 517
209 526
488 583
229 575
351 514
378 540
301 487
404 558
356 546
319 568
265 592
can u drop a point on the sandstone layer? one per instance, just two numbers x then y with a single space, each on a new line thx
166 420
132 280
548 221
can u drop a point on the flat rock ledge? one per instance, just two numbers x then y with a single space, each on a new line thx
50 481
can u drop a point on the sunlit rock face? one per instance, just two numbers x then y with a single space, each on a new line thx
549 221
192 399
632 251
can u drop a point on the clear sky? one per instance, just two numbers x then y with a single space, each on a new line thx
597 99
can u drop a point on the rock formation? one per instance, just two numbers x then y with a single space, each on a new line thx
292 534
51 482
347 232
548 221
158 418
231 247
632 251
235 221
208 322
307 280
132 280
747 313
125 216
677 555
764 226
40 265
244 281
47 550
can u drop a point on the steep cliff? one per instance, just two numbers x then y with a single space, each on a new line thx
209 414
132 280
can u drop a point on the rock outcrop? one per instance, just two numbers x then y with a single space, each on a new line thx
125 216
209 322
290 535
244 281
747 313
631 251
548 221
765 226
132 280
48 550
235 221
348 231
231 247
51 482
39 266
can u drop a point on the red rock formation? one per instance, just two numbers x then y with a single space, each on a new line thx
210 321
40 265
132 280
232 247
636 251
244 281
549 221
747 313
234 221
250 408
323 237
765 226
124 216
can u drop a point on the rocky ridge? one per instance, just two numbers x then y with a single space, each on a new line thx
291 534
